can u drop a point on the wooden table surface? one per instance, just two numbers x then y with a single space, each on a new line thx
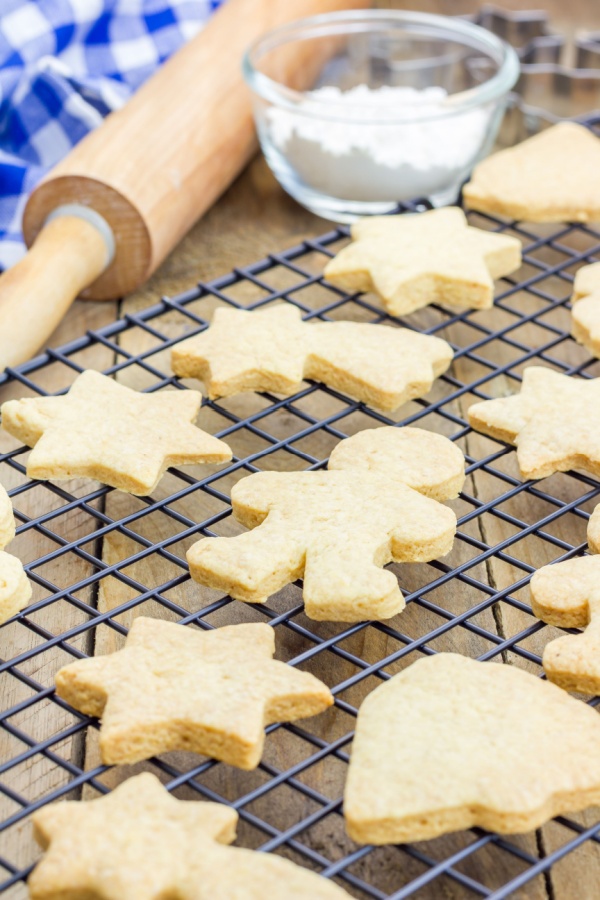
253 218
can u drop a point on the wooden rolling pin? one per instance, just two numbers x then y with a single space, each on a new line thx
107 215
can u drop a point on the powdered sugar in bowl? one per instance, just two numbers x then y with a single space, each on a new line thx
357 111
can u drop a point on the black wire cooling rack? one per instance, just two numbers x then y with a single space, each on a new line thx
105 556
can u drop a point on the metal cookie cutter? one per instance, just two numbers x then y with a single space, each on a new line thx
528 32
548 91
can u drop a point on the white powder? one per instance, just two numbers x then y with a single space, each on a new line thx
356 146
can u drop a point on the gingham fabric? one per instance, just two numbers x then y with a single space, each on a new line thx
64 65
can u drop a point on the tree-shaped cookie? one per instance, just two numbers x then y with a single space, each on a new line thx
379 501
15 589
411 261
274 350
174 688
551 422
585 316
567 594
140 843
450 743
553 176
104 430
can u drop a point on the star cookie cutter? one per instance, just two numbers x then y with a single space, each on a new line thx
548 90
528 32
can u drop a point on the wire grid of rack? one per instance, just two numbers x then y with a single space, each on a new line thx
129 556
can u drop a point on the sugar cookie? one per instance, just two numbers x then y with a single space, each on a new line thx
567 594
585 315
7 519
104 430
451 743
140 843
553 176
411 261
177 688
593 531
377 502
550 422
274 350
15 589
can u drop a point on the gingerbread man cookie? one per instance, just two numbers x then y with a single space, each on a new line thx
379 501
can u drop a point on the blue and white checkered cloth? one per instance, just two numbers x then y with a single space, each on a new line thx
64 65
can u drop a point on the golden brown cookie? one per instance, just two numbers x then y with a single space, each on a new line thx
411 261
553 176
176 688
550 422
7 519
451 743
274 350
593 531
377 502
140 843
104 430
585 315
567 594
15 588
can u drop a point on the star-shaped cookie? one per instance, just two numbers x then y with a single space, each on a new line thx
552 422
15 589
104 430
553 176
585 316
377 502
174 688
411 261
274 350
451 743
140 843
567 594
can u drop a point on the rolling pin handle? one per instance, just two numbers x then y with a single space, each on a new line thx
88 215
72 249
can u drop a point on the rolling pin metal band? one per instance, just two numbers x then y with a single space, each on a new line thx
133 243
94 218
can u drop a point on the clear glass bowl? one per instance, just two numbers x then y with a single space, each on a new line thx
343 151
